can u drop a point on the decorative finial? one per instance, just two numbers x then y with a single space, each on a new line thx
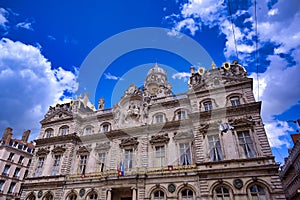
213 65
192 69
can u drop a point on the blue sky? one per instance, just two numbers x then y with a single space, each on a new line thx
44 43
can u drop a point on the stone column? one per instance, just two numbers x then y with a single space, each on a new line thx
134 193
108 194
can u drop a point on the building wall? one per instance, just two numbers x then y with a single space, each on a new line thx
178 146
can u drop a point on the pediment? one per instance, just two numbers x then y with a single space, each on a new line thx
57 115
102 146
159 139
83 150
42 152
242 122
129 143
58 150
186 135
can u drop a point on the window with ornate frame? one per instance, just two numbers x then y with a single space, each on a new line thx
88 130
82 164
101 161
64 130
11 187
128 158
257 192
160 156
181 114
246 146
159 118
215 150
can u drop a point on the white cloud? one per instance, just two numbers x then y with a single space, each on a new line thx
28 86
25 25
51 37
277 133
111 77
181 75
3 18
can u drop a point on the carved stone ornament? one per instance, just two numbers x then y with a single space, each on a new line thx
42 152
83 150
58 150
102 146
40 194
187 135
171 188
81 192
242 122
129 143
238 183
159 139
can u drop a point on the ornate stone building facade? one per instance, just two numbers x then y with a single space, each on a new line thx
15 159
207 143
290 171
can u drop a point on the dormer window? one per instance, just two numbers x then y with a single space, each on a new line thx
235 101
158 118
105 127
49 133
88 130
207 105
64 130
181 115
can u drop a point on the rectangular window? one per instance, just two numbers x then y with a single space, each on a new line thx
56 165
215 150
29 163
235 101
11 187
1 185
25 174
10 157
82 164
245 144
207 105
17 172
185 154
128 158
64 131
6 170
39 169
159 156
101 157
21 160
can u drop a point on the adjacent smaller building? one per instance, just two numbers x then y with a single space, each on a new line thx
290 172
15 159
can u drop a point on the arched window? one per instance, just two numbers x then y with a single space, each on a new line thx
92 196
257 192
222 193
158 194
72 196
49 133
48 196
180 114
31 197
187 194
64 130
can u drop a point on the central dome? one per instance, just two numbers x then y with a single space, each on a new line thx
156 69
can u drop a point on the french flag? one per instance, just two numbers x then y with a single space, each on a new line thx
121 169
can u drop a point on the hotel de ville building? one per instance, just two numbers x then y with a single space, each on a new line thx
207 143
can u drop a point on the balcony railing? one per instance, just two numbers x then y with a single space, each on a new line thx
135 171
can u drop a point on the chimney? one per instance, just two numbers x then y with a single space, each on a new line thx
7 131
8 138
25 136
